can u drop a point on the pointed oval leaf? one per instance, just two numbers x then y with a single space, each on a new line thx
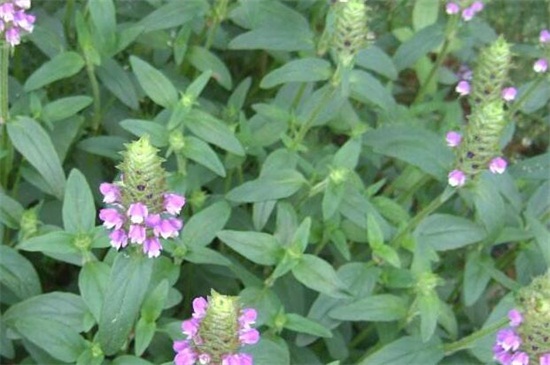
63 65
317 274
78 205
157 86
261 248
378 308
300 70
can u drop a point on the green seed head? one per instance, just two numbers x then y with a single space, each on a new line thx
351 29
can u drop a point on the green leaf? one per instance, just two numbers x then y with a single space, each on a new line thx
204 60
56 242
275 39
424 13
30 139
200 152
174 14
300 70
144 334
92 283
103 16
117 81
297 323
476 277
374 59
376 308
17 274
150 311
126 289
158 133
367 89
270 351
205 255
282 185
429 308
317 274
65 64
422 42
417 146
106 146
348 155
375 236
261 248
407 350
300 239
78 205
444 232
57 339
332 198
202 227
212 130
388 254
65 107
157 86
10 211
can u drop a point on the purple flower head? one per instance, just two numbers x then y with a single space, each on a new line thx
24 21
509 93
452 8
544 36
237 359
111 218
519 358
152 247
508 339
137 233
249 337
515 317
545 359
190 327
152 220
2 26
501 355
137 212
199 307
453 139
167 228
477 6
185 357
7 11
23 4
468 14
13 37
457 178
247 318
498 165
173 203
111 193
463 88
540 65
180 345
118 238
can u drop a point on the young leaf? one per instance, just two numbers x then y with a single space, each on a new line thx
317 274
301 324
214 131
63 65
200 152
78 205
204 60
65 107
281 185
260 248
10 211
30 139
18 274
300 70
157 86
376 308
202 227
117 81
92 282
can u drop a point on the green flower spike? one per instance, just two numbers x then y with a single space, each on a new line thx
351 29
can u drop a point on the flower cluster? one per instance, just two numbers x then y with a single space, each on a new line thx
14 21
541 65
468 12
139 210
216 331
464 87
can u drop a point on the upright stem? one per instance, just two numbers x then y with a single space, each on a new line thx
96 121
468 341
5 145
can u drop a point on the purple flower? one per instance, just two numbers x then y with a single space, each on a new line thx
477 6
118 238
457 178
204 358
7 11
111 193
12 36
167 228
152 247
190 327
453 139
111 218
515 317
137 212
185 357
509 93
173 203
152 220
247 318
199 307
249 337
545 359
498 165
464 73
2 26
501 355
237 359
468 14
137 233
24 21
519 358
463 88
540 65
23 4
180 345
508 339
452 8
544 36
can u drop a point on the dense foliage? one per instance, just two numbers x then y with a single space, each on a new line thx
365 182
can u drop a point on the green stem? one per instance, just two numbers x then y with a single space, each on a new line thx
468 341
515 107
307 125
436 203
449 36
5 145
96 121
